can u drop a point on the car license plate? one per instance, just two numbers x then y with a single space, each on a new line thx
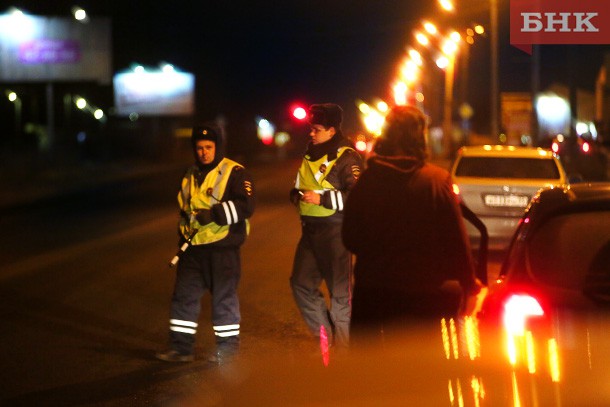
512 201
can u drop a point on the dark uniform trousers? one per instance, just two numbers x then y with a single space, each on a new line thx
320 255
218 271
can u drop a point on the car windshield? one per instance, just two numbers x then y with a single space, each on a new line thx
500 167
569 249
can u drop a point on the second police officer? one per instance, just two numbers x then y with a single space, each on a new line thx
328 171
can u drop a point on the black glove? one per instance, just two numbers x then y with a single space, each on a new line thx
295 196
203 216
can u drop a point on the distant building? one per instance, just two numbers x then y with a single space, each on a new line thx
602 100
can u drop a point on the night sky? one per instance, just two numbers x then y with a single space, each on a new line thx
256 57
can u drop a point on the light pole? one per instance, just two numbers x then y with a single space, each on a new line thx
449 48
493 17
447 62
408 76
14 98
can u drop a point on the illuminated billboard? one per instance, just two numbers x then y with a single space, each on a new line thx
43 49
154 93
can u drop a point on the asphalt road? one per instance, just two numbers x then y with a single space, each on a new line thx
85 290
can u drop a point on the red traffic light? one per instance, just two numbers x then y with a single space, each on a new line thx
299 113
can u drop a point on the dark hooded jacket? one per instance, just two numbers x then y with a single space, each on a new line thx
404 224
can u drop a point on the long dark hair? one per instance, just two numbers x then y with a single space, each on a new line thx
404 133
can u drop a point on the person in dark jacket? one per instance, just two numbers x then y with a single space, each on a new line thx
327 173
216 199
404 225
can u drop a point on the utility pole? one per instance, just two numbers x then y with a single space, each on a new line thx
448 108
535 73
493 17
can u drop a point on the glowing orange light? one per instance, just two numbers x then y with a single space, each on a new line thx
442 62
554 360
422 39
530 351
430 28
456 189
446 5
455 36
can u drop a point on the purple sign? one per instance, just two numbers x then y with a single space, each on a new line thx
49 52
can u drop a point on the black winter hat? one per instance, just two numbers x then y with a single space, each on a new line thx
206 132
326 114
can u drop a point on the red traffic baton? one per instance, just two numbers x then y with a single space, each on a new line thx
183 248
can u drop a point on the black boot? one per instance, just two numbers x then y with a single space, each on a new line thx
225 351
172 355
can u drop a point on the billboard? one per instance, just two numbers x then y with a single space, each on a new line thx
47 49
154 93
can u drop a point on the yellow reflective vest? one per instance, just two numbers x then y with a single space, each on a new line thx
312 177
193 197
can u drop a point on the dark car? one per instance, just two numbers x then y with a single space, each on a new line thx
582 156
548 313
551 292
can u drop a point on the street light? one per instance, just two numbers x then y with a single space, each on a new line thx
372 118
422 39
80 14
80 103
430 28
14 99
447 5
447 62
408 75
400 90
449 48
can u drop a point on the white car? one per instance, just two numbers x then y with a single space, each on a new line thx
497 183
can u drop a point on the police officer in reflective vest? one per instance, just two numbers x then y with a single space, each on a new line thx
328 171
216 198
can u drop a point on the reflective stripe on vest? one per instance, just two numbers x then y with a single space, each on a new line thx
312 177
191 197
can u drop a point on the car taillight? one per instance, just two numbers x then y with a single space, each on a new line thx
585 147
517 309
555 147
